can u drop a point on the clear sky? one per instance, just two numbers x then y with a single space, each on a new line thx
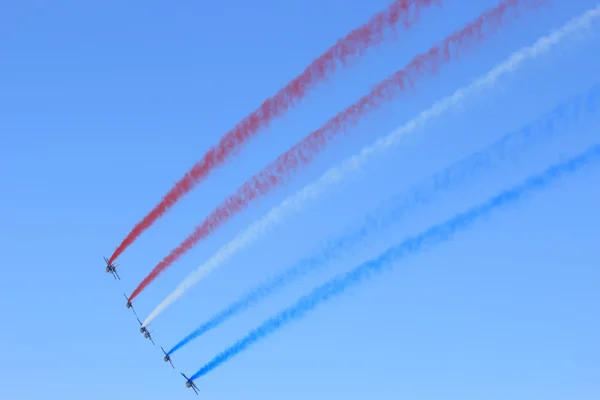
103 106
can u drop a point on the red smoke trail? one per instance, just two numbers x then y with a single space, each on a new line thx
305 151
354 44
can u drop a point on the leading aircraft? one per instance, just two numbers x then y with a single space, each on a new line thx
129 304
111 268
190 383
167 358
145 332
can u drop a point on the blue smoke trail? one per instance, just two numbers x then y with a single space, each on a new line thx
413 245
508 147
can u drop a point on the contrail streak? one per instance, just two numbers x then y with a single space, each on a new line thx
509 147
304 152
355 44
335 175
411 246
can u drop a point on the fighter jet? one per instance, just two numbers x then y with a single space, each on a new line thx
190 383
167 358
111 268
144 331
129 304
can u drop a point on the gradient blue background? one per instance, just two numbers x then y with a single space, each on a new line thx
104 106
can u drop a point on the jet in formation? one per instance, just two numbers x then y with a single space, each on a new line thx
144 331
167 358
111 269
129 304
190 383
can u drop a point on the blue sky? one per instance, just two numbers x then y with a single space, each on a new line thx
103 107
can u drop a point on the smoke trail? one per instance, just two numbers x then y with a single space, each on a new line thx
508 147
306 150
355 44
335 175
413 245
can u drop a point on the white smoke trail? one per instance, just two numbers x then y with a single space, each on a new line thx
334 175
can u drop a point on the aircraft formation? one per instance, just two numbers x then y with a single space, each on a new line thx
303 152
112 269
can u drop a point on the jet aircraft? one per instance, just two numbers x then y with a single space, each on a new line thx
190 383
129 304
144 331
167 358
111 269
